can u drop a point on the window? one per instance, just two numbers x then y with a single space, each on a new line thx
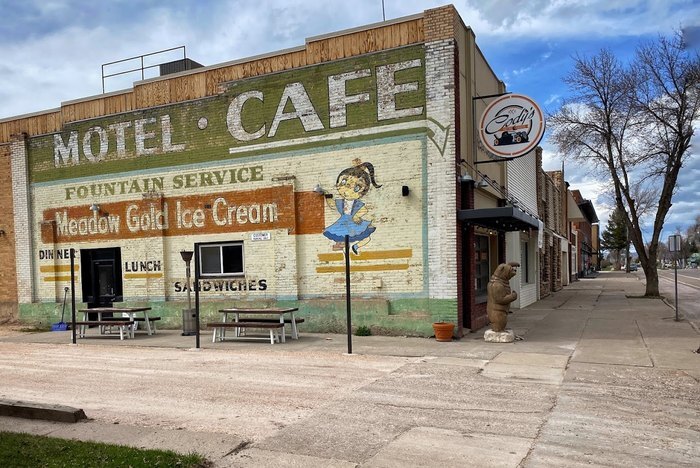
224 259
524 262
481 255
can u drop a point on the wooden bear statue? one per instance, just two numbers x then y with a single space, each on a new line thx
500 296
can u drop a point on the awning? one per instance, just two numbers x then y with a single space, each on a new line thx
506 218
588 211
574 213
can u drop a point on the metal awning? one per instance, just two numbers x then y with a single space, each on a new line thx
574 213
506 218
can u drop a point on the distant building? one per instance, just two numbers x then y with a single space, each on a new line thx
586 235
554 239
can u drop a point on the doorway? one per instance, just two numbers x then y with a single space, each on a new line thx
101 275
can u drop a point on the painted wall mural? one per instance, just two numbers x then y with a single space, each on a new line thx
352 184
242 167
224 212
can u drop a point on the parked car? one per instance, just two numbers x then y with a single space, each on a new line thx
634 267
511 138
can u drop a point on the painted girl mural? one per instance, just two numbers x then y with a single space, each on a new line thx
352 184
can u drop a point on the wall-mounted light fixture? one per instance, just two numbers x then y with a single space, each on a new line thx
405 190
321 191
484 182
95 208
465 178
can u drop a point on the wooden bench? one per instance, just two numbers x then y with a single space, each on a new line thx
297 320
271 320
124 325
274 327
136 319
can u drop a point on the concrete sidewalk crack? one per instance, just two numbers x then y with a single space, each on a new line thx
539 431
646 346
461 410
238 448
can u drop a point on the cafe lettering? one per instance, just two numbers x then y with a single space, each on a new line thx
156 135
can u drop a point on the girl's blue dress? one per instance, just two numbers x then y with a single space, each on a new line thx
346 226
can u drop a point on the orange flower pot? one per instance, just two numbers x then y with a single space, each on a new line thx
443 331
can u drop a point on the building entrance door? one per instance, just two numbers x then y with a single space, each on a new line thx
101 276
103 271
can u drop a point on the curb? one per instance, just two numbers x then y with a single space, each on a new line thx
29 410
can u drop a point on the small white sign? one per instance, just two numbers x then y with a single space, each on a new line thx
674 243
260 236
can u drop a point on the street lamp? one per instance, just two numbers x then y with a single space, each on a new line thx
187 314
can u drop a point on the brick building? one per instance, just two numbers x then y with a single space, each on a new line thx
586 235
554 235
8 277
263 165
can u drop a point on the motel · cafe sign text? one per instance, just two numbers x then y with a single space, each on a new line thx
511 126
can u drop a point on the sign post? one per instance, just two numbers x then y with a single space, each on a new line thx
674 245
348 302
72 293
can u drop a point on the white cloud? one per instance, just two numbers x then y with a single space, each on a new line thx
520 71
552 99
577 18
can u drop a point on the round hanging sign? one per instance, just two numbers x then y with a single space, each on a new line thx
511 126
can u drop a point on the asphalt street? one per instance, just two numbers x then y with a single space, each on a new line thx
688 280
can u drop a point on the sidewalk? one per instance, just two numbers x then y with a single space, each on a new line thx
598 379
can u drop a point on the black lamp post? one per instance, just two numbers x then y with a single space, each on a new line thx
187 257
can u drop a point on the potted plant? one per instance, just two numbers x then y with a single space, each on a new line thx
443 330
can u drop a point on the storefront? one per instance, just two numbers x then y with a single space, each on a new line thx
268 163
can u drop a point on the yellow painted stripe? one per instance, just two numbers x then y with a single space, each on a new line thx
142 275
372 255
56 268
353 268
53 279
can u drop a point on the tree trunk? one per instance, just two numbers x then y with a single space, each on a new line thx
652 276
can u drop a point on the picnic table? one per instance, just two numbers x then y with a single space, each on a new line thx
248 317
125 323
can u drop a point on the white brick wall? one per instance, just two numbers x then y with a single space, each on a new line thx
442 193
23 228
288 262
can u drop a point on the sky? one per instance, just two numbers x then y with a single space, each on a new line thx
53 50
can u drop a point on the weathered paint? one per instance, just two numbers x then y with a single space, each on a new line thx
167 177
281 104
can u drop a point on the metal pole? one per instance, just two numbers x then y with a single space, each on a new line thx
675 275
627 255
347 292
189 287
196 295
72 291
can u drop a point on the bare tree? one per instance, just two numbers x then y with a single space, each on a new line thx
634 123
